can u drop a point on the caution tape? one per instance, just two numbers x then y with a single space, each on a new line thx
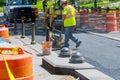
15 50
8 69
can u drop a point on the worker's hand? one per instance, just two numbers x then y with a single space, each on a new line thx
76 12
63 17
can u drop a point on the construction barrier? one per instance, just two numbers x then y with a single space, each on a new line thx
84 17
46 47
4 32
111 22
78 20
14 62
26 78
97 21
106 22
118 19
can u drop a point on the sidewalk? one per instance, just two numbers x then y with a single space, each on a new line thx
35 50
115 35
110 35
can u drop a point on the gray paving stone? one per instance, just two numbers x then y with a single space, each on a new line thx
92 74
61 62
59 65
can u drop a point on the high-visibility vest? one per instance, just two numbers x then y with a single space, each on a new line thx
70 13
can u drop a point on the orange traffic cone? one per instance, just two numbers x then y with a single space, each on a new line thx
4 32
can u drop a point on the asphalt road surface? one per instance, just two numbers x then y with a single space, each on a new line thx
101 52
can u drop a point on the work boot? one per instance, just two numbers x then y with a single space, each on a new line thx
78 44
65 46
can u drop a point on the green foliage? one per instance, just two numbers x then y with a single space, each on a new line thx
39 5
1 9
1 2
85 3
90 3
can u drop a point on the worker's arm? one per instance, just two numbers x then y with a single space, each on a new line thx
63 17
76 12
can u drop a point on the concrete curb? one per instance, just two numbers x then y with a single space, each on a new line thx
105 35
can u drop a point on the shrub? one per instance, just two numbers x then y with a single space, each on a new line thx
1 2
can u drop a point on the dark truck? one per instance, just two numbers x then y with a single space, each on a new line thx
16 10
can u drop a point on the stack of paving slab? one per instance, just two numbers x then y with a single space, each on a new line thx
61 65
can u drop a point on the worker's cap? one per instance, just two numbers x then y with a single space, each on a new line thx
63 2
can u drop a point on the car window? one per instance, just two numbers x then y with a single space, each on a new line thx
15 2
20 2
27 2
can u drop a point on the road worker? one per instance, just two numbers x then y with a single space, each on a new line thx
69 20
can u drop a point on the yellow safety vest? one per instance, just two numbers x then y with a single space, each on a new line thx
70 13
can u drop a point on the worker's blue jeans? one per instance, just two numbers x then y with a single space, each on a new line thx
69 35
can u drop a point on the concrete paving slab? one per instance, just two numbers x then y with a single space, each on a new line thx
59 65
92 74
61 62
60 77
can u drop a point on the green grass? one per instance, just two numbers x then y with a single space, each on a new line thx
1 9
99 4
